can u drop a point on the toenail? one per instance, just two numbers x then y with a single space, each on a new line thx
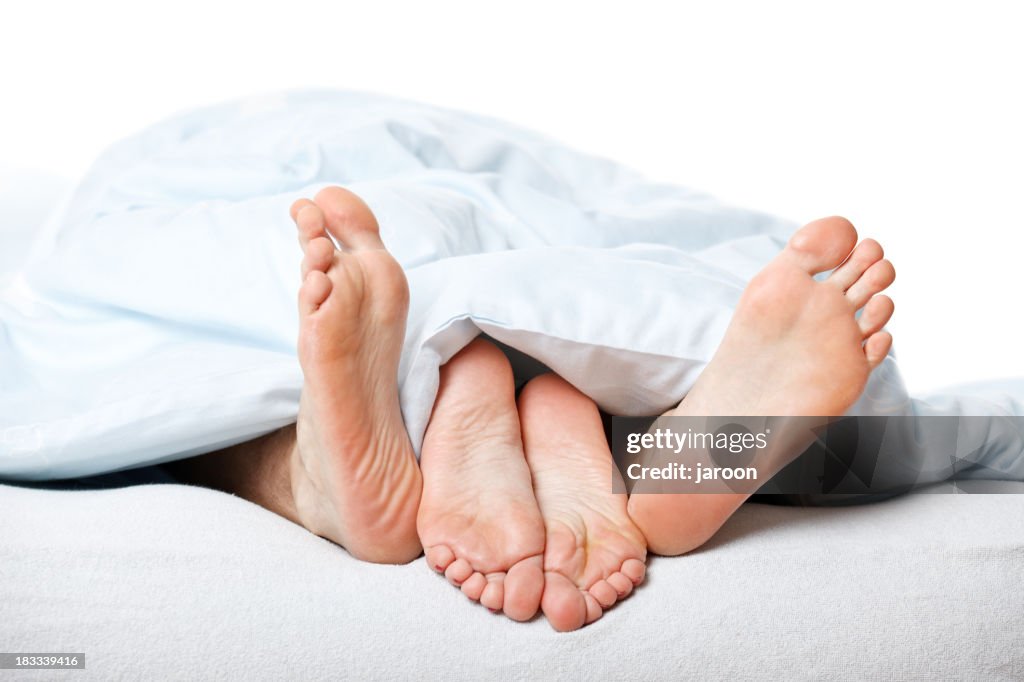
437 567
493 610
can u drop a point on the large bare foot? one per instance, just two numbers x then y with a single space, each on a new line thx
478 521
794 348
354 475
595 554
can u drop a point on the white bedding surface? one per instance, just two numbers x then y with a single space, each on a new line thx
174 582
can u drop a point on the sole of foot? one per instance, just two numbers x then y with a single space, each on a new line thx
595 554
795 347
479 522
354 476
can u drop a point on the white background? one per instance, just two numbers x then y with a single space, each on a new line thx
906 118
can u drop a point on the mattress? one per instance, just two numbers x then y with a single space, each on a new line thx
175 582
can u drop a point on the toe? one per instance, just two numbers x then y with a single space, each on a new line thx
634 569
297 206
867 253
524 585
439 557
621 584
876 278
493 595
876 314
319 255
877 347
458 571
563 604
310 223
604 593
822 244
594 610
349 219
474 586
315 289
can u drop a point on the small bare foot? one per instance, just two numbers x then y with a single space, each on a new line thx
478 521
595 554
794 348
354 475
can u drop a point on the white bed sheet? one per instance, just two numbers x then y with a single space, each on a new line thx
173 582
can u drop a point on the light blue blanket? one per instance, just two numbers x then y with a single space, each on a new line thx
156 317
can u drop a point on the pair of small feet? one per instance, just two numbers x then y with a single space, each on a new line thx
516 504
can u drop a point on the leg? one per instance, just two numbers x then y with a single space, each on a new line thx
479 522
595 554
346 470
793 348
257 470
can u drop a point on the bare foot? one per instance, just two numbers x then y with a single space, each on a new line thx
595 554
478 521
354 475
793 348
